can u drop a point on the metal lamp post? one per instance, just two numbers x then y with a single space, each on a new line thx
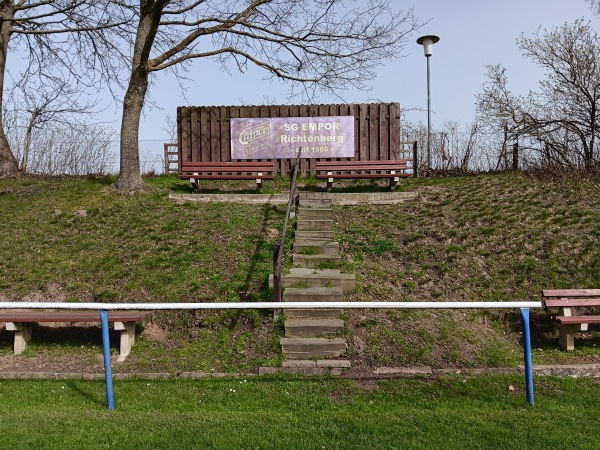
427 43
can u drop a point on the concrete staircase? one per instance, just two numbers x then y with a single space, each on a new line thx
311 335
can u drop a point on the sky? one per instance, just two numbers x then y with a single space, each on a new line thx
473 34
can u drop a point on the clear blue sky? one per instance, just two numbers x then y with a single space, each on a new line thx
473 33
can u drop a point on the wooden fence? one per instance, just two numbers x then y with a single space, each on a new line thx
204 132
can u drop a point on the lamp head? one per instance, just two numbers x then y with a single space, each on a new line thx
427 43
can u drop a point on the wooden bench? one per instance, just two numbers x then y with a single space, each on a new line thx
231 170
570 323
392 169
21 321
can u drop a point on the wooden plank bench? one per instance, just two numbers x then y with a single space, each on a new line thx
392 169
230 170
21 321
565 300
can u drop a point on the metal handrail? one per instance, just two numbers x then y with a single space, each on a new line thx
269 305
278 248
104 308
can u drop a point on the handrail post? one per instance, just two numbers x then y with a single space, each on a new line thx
527 355
110 398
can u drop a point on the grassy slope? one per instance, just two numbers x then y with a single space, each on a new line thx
493 237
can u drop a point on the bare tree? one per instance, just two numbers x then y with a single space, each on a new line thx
560 120
75 37
314 45
454 147
497 110
55 103
73 149
458 146
594 6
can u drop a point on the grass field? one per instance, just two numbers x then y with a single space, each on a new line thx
290 413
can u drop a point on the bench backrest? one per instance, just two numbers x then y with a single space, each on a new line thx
250 166
399 164
571 297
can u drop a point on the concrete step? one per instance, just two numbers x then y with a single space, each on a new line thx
332 363
318 294
316 247
306 348
319 278
315 213
306 371
315 313
315 203
313 327
314 224
313 294
313 235
315 261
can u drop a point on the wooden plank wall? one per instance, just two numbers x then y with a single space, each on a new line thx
204 133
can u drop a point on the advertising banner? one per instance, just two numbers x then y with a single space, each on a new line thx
281 137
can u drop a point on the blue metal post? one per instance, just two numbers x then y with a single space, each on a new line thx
527 355
110 398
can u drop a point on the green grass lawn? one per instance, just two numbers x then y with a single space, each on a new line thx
293 413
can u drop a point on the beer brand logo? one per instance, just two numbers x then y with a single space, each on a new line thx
252 133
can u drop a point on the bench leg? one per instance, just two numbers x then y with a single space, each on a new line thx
329 181
22 334
194 182
127 330
566 335
259 182
394 181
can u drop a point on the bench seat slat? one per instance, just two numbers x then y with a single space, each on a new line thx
571 302
571 292
227 167
347 165
322 168
70 316
363 175
226 163
568 320
360 169
227 177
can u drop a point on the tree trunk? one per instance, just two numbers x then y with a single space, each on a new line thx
27 143
130 178
9 167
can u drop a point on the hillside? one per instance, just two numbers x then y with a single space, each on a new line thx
489 237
